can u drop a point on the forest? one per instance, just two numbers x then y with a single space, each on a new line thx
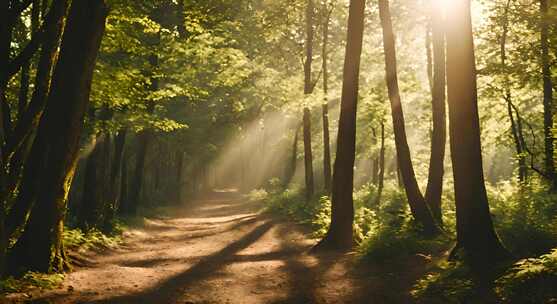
266 151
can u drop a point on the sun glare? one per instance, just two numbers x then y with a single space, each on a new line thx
443 4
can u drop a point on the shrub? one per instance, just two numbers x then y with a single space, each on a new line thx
31 280
530 281
77 240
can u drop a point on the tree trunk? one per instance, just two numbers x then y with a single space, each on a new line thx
476 236
325 108
179 174
125 206
144 141
340 234
308 90
95 191
547 93
115 186
56 146
291 168
18 146
507 96
434 189
31 116
87 213
381 178
418 206
24 80
374 159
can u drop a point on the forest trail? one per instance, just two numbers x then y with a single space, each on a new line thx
223 250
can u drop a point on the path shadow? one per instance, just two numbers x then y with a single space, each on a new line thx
170 290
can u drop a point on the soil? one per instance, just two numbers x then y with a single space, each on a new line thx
222 249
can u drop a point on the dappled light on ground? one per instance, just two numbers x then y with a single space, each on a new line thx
220 251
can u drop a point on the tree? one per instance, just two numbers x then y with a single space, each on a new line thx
308 90
340 234
476 237
516 125
381 173
434 188
55 148
325 106
418 205
547 93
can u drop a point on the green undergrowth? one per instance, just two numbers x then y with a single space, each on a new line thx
526 281
384 230
77 240
525 217
29 281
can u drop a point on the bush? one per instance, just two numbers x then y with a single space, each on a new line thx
382 231
31 280
77 240
530 281
452 284
525 217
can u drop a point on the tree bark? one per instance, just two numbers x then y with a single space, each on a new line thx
476 237
125 206
31 116
116 170
179 175
381 177
374 158
547 93
325 108
55 148
144 140
92 211
418 205
16 146
291 168
434 189
308 90
507 96
24 80
340 234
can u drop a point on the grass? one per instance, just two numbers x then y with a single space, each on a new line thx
525 217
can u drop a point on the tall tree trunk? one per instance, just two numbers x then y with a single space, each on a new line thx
144 141
4 57
308 90
381 178
95 191
23 132
434 188
507 96
30 118
24 80
476 236
179 174
291 168
340 234
56 146
418 205
325 107
374 158
87 212
18 145
125 205
547 93
115 185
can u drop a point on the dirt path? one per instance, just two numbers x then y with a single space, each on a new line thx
224 251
